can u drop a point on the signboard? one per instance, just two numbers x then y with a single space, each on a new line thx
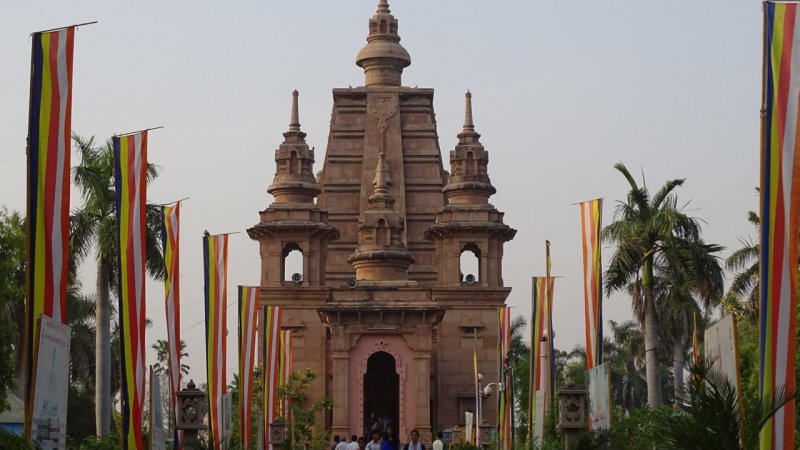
468 429
599 397
49 420
720 349
157 431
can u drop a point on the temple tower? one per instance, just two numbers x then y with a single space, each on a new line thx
383 312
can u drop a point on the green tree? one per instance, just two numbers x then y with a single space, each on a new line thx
651 231
12 297
94 229
744 262
301 424
162 357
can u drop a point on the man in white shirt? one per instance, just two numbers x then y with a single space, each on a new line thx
342 445
438 444
375 443
353 444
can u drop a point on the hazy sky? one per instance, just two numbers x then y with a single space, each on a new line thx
561 92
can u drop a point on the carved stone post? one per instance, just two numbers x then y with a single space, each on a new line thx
277 436
571 413
191 402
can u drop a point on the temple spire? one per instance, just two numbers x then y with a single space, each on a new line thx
383 58
468 123
383 178
294 121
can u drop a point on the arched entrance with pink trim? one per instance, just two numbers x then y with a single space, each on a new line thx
403 356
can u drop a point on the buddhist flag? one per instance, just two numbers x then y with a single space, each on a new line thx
272 373
215 261
130 181
170 236
591 224
539 322
248 299
477 441
286 368
504 398
780 216
47 223
549 317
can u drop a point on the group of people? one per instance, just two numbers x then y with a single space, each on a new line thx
384 441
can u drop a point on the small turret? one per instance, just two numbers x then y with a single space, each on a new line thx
294 162
469 182
383 58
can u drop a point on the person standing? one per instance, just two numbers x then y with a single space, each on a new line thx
438 444
341 444
362 443
353 444
375 443
415 444
390 440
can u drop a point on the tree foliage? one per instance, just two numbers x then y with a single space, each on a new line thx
12 297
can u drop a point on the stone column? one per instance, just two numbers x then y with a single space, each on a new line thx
422 359
340 355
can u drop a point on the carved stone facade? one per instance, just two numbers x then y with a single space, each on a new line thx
382 310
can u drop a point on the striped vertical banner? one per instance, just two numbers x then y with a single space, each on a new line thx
551 361
285 368
780 216
248 299
48 165
477 440
591 225
215 262
538 309
130 181
272 338
170 240
504 399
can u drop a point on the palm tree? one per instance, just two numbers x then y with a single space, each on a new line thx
744 262
162 356
652 232
93 228
623 353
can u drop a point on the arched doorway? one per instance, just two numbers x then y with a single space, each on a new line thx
381 392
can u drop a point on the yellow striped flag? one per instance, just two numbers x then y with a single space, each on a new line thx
286 368
504 398
215 259
549 317
248 301
477 438
272 373
539 321
591 225
780 216
47 222
130 181
170 240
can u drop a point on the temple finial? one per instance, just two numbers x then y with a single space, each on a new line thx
383 7
294 121
382 177
468 123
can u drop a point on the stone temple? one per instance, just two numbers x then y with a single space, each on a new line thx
383 311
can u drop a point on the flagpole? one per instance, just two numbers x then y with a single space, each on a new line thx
587 201
64 28
172 202
140 131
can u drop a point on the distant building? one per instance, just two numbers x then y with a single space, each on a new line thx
13 419
383 310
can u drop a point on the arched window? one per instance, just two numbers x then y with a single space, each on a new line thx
470 263
292 262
